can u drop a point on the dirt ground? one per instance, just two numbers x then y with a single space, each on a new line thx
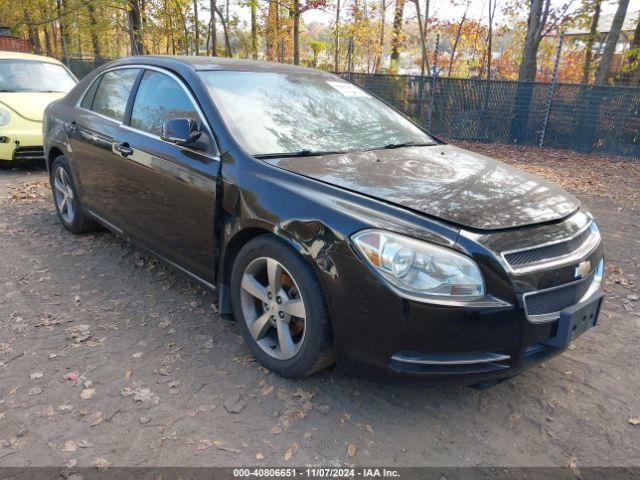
108 357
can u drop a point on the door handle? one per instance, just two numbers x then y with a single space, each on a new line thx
72 127
123 149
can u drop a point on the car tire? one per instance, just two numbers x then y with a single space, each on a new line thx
271 279
66 199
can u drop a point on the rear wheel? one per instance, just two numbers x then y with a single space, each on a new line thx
66 198
280 308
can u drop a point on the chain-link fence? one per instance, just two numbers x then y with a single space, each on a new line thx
587 118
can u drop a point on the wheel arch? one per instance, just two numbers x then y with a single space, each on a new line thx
53 153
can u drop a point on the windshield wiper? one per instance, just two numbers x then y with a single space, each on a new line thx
407 144
299 153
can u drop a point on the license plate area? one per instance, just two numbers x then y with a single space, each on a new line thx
576 320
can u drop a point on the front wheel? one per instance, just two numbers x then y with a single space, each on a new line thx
280 308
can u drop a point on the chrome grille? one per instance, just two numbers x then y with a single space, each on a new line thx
547 252
554 300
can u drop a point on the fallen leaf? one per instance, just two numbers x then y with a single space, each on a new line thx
634 420
101 463
351 450
267 390
129 373
137 355
96 419
87 393
36 375
259 456
70 446
290 452
234 404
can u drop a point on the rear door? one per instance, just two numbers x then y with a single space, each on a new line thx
97 123
167 192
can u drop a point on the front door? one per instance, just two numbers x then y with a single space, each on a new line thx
167 192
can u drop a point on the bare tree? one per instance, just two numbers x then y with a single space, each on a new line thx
602 75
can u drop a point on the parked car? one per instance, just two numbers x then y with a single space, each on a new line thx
330 225
28 83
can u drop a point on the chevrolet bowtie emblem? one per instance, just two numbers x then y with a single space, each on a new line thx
583 269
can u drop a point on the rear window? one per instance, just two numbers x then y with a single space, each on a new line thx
113 92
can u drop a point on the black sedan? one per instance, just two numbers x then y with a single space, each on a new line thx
332 227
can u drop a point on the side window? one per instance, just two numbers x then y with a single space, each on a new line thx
160 98
113 92
88 96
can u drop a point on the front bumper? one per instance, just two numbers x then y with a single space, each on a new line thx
378 333
22 142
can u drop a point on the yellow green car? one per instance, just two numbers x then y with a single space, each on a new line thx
28 83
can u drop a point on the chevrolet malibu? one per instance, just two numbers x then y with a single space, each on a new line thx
332 228
28 83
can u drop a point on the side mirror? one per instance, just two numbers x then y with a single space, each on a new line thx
181 131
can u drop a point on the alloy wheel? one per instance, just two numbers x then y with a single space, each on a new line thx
64 195
273 308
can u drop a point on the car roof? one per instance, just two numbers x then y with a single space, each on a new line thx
203 63
6 55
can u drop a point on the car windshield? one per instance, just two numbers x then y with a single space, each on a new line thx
34 76
300 113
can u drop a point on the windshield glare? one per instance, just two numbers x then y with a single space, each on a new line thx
271 113
33 76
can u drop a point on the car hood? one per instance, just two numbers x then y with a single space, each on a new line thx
442 181
29 105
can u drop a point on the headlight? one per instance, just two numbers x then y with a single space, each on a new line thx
419 267
4 117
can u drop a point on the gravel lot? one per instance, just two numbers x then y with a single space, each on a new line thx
107 357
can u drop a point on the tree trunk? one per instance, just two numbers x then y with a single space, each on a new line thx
423 46
457 40
538 14
225 31
602 75
593 33
383 10
91 11
135 24
492 12
64 35
396 41
197 27
634 59
214 32
296 32
254 28
336 57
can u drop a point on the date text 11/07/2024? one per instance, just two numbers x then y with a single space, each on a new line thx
316 472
